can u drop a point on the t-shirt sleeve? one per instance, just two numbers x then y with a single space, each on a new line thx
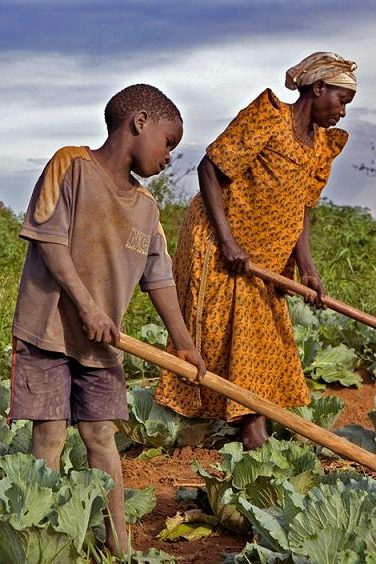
335 141
158 269
234 150
48 216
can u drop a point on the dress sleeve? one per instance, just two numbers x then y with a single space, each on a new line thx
335 140
48 216
247 134
158 268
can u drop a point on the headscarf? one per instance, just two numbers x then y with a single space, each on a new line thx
328 67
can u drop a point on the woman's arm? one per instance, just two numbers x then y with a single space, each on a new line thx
210 179
307 269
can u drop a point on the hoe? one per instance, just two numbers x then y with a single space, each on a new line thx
265 407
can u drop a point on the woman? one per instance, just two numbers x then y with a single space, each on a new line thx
258 181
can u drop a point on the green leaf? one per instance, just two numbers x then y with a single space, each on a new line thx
301 313
6 436
336 364
74 455
191 525
35 545
252 475
21 440
12 544
152 556
122 441
30 496
154 334
88 497
4 397
308 343
267 523
335 519
226 512
150 453
46 546
257 553
138 503
326 410
359 436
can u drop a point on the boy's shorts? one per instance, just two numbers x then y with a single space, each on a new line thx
49 386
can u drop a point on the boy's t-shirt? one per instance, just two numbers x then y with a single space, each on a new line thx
115 240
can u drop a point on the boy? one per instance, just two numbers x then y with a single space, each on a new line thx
93 234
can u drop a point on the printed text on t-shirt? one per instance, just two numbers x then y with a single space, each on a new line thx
138 241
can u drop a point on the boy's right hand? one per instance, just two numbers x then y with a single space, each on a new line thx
98 326
193 357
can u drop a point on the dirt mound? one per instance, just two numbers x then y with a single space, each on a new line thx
358 401
166 474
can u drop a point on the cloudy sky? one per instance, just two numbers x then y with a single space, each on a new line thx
60 61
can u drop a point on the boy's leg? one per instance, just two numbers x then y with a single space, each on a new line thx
40 391
98 437
98 399
48 440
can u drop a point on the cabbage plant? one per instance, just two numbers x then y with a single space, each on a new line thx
257 476
331 524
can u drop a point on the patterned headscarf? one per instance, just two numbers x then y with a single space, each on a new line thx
328 67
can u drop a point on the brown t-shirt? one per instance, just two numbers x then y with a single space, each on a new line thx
115 240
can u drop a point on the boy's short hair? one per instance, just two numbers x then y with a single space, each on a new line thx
139 97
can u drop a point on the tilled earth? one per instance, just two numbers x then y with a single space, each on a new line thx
167 473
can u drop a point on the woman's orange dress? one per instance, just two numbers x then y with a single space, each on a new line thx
240 323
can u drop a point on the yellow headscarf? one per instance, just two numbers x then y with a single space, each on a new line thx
328 67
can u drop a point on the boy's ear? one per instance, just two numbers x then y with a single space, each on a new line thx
140 121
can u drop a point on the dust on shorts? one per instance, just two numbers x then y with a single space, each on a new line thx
49 386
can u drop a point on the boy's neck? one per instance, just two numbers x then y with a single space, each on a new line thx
114 157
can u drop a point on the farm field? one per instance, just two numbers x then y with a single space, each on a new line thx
270 498
169 472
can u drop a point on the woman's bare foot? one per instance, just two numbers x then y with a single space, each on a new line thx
253 431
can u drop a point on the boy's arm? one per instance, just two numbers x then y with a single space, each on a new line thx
96 324
209 177
166 303
307 269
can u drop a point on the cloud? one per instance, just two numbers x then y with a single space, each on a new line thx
115 26
51 97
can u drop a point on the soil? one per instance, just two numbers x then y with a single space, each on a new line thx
167 473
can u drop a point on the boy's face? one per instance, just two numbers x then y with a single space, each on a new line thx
154 143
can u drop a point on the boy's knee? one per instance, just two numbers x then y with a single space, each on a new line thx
97 434
49 435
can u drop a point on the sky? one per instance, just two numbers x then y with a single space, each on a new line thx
60 62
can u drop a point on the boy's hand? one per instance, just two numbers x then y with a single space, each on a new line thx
98 326
193 357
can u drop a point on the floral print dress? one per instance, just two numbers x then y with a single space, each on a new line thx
240 323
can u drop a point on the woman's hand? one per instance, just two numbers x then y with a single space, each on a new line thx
235 256
311 279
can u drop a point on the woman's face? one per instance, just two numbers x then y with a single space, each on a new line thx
329 104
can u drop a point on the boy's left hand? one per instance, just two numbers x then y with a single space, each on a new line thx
193 357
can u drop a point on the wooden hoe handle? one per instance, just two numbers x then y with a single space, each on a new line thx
248 399
292 286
